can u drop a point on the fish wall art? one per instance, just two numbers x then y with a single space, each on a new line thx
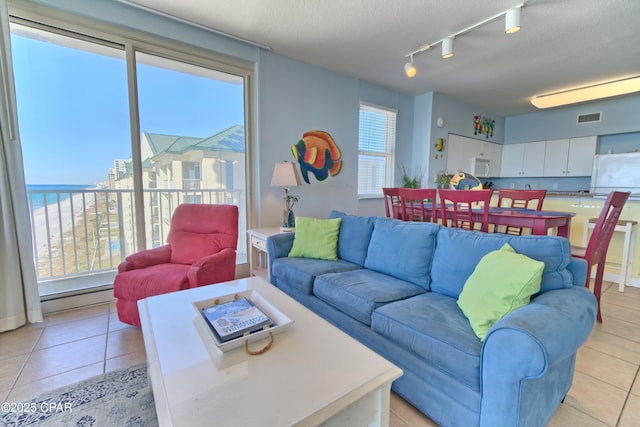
317 153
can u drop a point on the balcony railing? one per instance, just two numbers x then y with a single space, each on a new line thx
89 231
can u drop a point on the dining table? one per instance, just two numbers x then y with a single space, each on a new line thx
540 222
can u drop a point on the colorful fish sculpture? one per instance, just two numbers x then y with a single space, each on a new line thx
317 153
464 181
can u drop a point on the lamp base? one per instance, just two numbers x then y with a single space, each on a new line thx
287 229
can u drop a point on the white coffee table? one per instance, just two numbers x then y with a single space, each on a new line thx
313 374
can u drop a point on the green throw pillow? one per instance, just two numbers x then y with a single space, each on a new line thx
502 281
316 238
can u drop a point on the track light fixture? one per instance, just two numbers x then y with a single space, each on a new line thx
447 47
410 69
511 25
512 20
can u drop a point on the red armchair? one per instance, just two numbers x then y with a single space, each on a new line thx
201 250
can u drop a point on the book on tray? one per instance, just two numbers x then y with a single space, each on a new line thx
235 318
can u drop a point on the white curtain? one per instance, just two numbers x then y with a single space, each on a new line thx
19 299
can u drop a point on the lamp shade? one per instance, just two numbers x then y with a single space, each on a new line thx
285 175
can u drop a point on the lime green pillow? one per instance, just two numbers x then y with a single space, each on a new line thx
316 238
502 281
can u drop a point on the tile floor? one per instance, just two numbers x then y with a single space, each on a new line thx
71 346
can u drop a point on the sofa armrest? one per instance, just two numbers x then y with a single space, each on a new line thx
578 268
146 258
279 246
527 343
215 268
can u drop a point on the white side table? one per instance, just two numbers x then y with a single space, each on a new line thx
258 258
629 229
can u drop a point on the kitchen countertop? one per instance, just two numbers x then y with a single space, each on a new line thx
560 194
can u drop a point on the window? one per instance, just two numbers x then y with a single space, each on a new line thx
376 144
97 192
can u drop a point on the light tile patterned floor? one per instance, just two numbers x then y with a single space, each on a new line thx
75 345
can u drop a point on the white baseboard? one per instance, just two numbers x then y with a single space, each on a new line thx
615 278
77 301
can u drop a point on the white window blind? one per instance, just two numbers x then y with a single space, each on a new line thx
376 145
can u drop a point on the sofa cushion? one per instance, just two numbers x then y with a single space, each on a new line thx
359 292
433 327
301 272
402 249
502 281
464 249
316 238
354 237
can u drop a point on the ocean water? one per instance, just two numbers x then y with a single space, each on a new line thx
39 194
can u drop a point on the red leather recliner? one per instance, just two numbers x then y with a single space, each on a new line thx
201 250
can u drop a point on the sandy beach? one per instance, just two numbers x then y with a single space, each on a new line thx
59 222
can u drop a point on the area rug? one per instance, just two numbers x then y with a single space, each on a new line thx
119 398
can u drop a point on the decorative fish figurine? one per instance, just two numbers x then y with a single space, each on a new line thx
465 181
317 153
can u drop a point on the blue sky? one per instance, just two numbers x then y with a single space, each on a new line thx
73 109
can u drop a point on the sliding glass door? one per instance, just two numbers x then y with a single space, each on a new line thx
73 118
102 178
192 140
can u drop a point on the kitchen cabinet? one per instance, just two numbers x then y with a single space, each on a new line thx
461 151
569 157
523 160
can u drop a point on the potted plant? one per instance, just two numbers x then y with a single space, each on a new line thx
411 180
442 179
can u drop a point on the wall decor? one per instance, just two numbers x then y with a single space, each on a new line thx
439 146
317 153
483 126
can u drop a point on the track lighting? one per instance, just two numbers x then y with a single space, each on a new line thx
410 69
512 20
447 47
511 25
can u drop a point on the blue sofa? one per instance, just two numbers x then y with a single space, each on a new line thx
395 287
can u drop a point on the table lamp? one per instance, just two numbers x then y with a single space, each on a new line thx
285 175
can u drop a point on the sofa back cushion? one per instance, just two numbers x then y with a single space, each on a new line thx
354 237
459 251
402 249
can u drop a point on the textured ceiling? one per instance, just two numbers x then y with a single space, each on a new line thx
562 44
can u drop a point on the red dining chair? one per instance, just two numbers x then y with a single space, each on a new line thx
201 250
465 208
392 202
596 251
412 201
520 199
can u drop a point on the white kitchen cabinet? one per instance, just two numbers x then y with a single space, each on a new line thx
461 150
523 160
569 157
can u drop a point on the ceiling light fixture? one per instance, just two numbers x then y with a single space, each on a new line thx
512 24
410 69
512 20
447 47
588 93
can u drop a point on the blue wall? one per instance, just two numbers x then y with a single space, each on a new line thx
295 97
292 97
619 116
